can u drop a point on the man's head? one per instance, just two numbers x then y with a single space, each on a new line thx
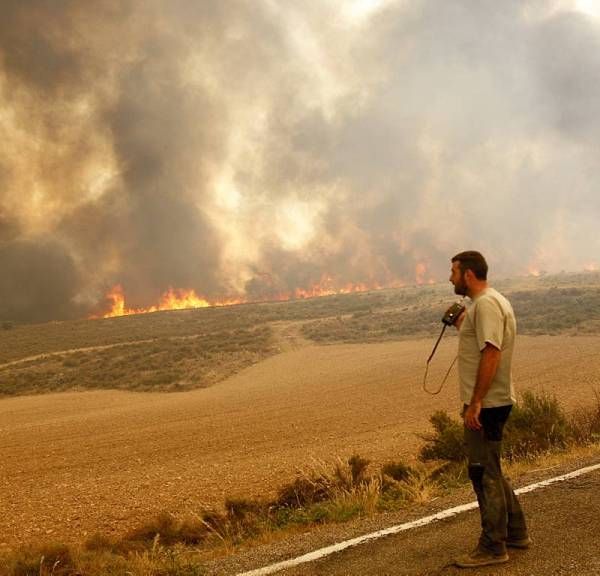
469 273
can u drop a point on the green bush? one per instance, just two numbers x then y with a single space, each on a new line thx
537 424
447 440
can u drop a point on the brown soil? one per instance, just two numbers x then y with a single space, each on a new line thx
77 463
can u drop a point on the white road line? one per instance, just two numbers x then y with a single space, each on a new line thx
322 552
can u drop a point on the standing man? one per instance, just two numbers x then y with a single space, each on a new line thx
487 332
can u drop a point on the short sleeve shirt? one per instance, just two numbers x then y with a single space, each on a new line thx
489 320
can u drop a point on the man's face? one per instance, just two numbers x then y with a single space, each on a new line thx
458 279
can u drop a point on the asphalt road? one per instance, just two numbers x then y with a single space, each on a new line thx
564 520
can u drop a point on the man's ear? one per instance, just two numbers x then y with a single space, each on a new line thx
469 275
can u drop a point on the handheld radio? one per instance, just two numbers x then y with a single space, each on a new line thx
448 319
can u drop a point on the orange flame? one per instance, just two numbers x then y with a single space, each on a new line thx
170 300
177 299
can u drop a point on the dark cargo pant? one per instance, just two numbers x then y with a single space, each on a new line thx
501 514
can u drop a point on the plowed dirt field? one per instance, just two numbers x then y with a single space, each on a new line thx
81 462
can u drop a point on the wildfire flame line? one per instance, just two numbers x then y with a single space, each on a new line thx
172 299
180 299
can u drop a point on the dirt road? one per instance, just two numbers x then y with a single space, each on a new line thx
76 463
564 520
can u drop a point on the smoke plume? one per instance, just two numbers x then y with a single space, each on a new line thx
251 148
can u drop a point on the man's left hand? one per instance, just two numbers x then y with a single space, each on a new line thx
471 416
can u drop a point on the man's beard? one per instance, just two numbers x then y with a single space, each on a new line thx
460 288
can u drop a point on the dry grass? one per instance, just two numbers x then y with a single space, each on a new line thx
60 560
165 364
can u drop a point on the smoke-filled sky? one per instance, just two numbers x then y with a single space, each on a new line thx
251 147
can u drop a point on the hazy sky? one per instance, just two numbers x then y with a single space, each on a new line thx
256 146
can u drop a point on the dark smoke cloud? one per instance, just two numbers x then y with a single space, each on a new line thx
258 147
38 282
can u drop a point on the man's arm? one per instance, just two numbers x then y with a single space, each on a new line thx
488 365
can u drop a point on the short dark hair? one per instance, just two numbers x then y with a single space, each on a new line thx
474 261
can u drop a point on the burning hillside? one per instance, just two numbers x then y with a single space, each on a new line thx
179 299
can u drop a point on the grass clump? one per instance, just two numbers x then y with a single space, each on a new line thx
323 483
242 519
398 471
170 530
345 490
46 560
163 561
584 423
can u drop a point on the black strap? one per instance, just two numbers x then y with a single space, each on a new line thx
429 360
437 343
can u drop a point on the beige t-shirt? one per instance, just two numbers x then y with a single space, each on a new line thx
489 319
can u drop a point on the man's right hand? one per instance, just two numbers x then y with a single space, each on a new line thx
471 416
460 320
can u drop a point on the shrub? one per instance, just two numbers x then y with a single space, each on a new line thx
245 516
323 482
170 530
100 542
358 469
241 519
70 362
50 559
584 423
162 561
446 442
303 491
537 424
397 471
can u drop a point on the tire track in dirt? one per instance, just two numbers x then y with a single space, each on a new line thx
288 335
48 355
